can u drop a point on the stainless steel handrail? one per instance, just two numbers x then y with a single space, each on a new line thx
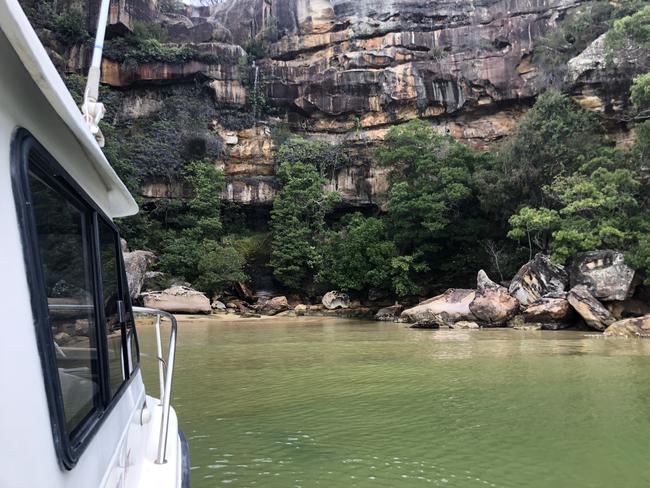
165 373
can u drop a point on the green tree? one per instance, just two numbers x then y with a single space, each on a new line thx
192 246
643 142
358 256
430 181
599 206
206 184
640 92
631 32
433 215
535 225
298 223
550 141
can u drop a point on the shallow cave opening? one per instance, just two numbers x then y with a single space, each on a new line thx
195 148
238 218
369 210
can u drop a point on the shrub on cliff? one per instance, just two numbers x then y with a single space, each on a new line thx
71 28
67 23
152 48
326 157
640 92
631 32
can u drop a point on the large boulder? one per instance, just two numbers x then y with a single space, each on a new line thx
446 309
239 305
628 308
492 304
538 278
605 274
464 324
550 313
336 299
136 264
272 306
180 29
595 315
156 280
635 327
483 282
389 314
178 299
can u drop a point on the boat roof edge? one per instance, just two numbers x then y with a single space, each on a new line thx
25 42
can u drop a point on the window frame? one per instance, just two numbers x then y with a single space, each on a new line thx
68 446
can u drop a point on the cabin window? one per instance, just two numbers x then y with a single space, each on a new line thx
83 317
113 306
62 229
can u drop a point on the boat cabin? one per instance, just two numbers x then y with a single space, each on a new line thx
74 410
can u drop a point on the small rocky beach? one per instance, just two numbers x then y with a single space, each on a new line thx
598 292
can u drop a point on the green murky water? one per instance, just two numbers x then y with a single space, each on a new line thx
335 403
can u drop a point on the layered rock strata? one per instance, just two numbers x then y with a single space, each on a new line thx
346 71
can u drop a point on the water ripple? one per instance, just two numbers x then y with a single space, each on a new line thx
338 404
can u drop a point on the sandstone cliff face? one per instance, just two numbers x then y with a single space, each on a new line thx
122 14
346 71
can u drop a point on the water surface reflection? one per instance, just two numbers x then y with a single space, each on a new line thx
322 402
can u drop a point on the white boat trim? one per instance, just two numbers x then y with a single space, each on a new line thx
32 54
116 444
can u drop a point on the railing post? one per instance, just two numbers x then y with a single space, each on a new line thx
166 386
161 368
164 430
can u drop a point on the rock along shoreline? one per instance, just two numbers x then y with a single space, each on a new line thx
598 292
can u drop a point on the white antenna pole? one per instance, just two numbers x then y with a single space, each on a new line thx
92 109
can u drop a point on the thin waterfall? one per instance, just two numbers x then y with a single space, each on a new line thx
255 90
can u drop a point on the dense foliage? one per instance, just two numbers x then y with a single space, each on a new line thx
427 232
69 25
298 223
192 244
326 158
557 185
151 49
548 142
593 208
358 256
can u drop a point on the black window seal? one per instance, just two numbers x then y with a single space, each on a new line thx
68 447
121 291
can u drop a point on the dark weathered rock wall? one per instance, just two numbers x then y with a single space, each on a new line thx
347 70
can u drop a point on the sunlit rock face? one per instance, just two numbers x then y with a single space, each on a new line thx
374 62
122 14
347 70
601 82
